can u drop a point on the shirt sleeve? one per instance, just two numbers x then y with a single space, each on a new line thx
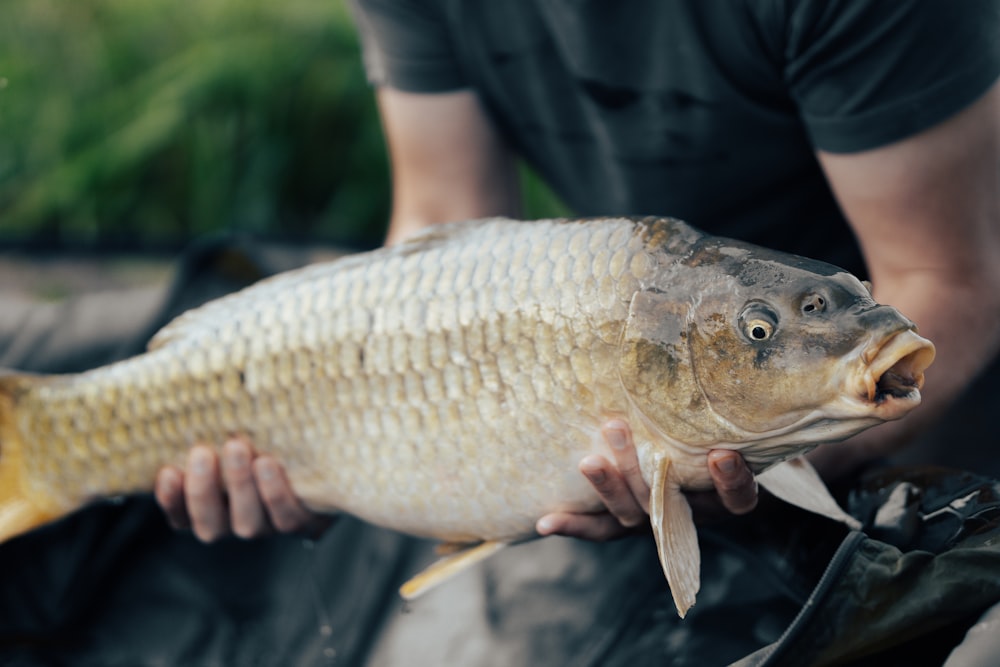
866 74
406 44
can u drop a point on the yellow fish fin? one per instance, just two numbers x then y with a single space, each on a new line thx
796 482
449 548
676 537
20 511
459 558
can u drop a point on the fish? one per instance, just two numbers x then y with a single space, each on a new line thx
448 386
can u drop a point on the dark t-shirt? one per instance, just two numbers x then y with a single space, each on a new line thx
706 110
659 94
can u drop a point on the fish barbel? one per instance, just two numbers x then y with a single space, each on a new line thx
449 386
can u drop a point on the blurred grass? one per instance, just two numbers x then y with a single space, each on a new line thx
143 125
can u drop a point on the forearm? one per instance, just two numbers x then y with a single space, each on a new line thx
926 211
448 161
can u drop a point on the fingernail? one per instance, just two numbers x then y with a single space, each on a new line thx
200 462
236 456
595 476
266 470
616 438
726 465
545 526
170 481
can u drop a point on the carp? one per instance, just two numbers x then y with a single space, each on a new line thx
447 387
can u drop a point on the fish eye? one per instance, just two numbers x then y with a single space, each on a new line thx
758 329
758 322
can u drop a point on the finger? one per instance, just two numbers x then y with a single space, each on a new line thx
286 511
203 494
614 491
618 435
733 480
246 510
599 527
169 492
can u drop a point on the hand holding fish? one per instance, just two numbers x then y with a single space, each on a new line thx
247 494
625 493
238 493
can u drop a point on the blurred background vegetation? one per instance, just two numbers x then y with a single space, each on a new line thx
143 125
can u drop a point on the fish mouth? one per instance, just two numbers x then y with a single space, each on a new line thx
894 373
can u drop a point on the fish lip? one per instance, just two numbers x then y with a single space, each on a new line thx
893 372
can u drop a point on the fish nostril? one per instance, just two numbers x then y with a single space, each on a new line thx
813 303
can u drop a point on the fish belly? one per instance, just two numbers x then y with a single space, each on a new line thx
446 387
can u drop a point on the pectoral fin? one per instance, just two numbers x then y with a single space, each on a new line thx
459 558
676 538
797 482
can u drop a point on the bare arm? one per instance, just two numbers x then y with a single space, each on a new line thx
448 162
926 211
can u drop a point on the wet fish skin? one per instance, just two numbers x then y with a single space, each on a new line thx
449 386
372 409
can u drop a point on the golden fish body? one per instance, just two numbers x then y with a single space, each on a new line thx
396 387
449 386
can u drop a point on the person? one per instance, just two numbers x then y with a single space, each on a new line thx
863 133
796 128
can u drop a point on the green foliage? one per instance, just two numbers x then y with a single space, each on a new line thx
539 200
144 124
148 123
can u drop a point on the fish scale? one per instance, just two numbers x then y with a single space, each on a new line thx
450 386
496 363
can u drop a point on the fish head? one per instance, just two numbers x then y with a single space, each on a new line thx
762 349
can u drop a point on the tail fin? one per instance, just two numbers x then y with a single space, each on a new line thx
20 509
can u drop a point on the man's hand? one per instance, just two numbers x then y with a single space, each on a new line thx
626 495
248 495
240 493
